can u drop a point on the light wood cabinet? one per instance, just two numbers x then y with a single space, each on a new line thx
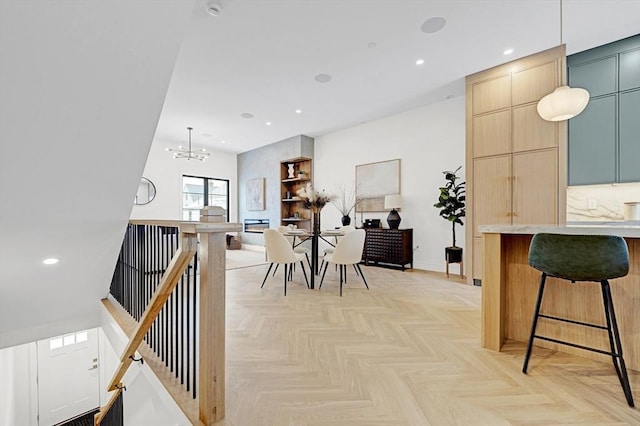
516 161
295 174
492 191
492 134
530 131
492 94
535 187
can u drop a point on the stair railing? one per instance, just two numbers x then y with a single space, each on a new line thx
161 297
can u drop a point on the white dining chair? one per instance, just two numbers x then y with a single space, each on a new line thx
279 252
345 230
298 249
348 251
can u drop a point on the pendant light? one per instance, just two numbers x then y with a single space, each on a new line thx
189 154
564 102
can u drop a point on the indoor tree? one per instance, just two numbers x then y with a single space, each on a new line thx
452 201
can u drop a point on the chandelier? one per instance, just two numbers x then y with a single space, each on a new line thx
189 154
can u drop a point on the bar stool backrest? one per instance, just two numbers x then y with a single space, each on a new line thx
580 257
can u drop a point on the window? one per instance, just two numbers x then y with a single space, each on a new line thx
68 340
198 192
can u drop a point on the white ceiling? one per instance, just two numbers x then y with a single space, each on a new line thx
261 57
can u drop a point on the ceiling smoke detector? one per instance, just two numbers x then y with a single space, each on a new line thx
213 9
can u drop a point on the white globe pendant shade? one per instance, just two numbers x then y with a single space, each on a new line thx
564 103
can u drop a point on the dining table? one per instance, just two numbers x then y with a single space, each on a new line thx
303 235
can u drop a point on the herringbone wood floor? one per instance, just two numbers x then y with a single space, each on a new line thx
406 352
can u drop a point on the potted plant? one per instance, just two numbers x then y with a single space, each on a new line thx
345 202
452 204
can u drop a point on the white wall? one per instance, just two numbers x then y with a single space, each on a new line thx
146 401
166 174
428 140
18 397
83 84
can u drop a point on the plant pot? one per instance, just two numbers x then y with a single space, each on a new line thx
346 220
453 254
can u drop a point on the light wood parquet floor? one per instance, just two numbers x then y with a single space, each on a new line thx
406 352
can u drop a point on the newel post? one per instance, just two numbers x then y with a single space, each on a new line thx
211 395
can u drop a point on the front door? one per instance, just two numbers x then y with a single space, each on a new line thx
68 380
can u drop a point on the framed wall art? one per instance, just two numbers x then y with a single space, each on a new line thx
374 181
255 194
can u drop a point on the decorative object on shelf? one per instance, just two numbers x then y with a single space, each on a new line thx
564 102
255 194
189 154
452 204
146 192
393 202
291 171
345 202
374 181
301 174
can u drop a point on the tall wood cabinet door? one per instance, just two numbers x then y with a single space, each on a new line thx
535 187
491 191
492 134
530 131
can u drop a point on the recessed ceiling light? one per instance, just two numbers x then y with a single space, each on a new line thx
298 111
246 115
372 45
419 61
433 25
268 123
223 141
51 261
508 52
323 78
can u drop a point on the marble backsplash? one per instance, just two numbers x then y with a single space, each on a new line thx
600 202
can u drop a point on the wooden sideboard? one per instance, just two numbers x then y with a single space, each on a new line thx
388 247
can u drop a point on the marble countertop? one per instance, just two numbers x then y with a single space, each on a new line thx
621 229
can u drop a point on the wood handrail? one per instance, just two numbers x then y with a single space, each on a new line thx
177 266
192 227
99 416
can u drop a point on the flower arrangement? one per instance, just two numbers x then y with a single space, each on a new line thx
346 201
312 199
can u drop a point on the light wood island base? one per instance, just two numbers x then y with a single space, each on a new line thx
509 289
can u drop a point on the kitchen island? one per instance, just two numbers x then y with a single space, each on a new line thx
510 285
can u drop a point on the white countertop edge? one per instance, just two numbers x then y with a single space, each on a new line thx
631 231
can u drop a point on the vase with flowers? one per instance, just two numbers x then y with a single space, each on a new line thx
314 200
345 202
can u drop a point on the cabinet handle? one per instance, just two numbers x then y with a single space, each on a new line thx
515 195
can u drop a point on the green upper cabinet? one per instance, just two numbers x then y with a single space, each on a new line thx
630 136
592 155
604 141
630 70
598 77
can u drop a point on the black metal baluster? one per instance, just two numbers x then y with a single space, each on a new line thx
195 323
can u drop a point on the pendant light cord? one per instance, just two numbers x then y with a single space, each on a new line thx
560 22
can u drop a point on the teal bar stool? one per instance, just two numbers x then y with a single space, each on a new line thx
597 258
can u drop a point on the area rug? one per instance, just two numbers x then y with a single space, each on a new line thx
244 258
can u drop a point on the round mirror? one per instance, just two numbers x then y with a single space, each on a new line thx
146 192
